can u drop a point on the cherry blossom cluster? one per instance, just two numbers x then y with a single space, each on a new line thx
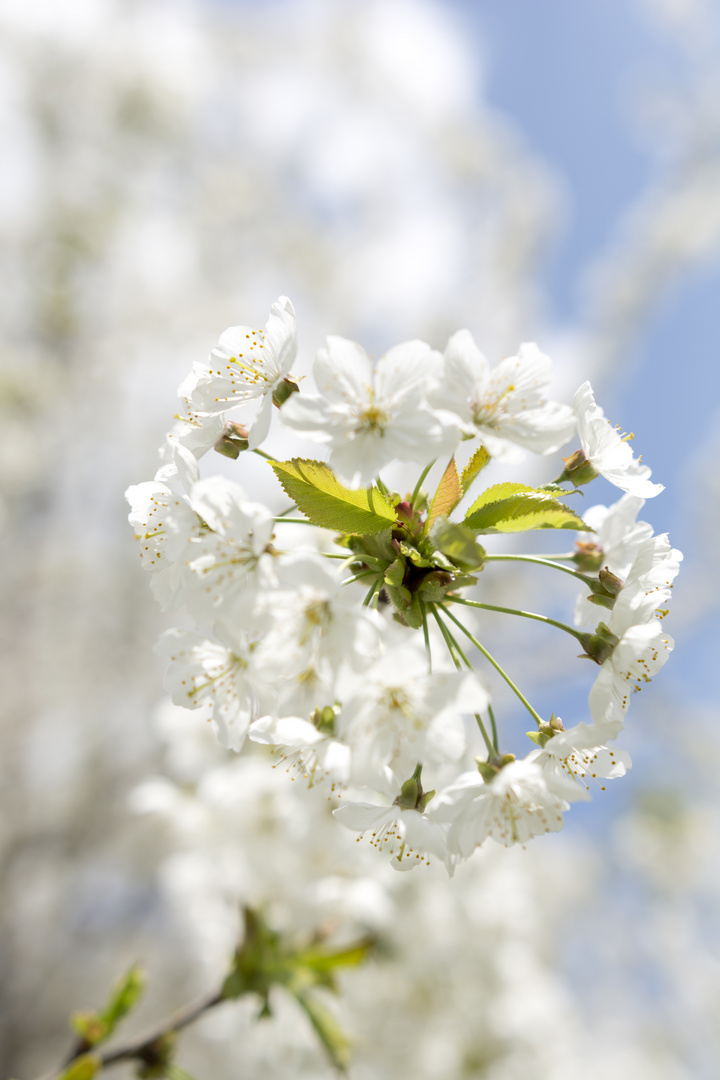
336 630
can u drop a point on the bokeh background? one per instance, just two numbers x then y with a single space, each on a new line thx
400 168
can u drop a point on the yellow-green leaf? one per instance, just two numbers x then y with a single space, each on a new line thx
458 542
326 502
448 495
126 994
82 1068
331 1035
474 466
511 507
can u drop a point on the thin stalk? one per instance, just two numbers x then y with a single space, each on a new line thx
416 489
373 591
292 521
263 454
286 512
491 714
456 651
516 611
359 577
500 670
541 561
426 635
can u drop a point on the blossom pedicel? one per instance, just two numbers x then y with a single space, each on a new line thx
349 650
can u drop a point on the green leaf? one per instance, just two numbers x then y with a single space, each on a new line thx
458 542
474 466
126 994
95 1027
448 495
328 1029
511 507
82 1068
325 502
321 961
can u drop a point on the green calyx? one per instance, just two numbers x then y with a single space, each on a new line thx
546 730
578 469
606 589
412 796
489 769
233 441
284 389
588 557
324 719
599 646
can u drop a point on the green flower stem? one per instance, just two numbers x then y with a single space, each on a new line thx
416 489
541 561
286 512
262 453
373 592
360 577
501 671
456 651
142 1047
491 714
292 521
426 635
516 611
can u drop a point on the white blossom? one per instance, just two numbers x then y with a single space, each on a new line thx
396 714
231 559
648 584
521 801
305 746
372 416
245 365
607 451
165 525
505 406
223 672
408 836
640 653
616 540
581 752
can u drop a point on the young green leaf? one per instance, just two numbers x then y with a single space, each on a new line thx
474 466
328 1030
458 542
325 502
448 495
82 1068
511 507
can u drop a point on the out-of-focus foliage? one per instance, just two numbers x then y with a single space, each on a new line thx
170 168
